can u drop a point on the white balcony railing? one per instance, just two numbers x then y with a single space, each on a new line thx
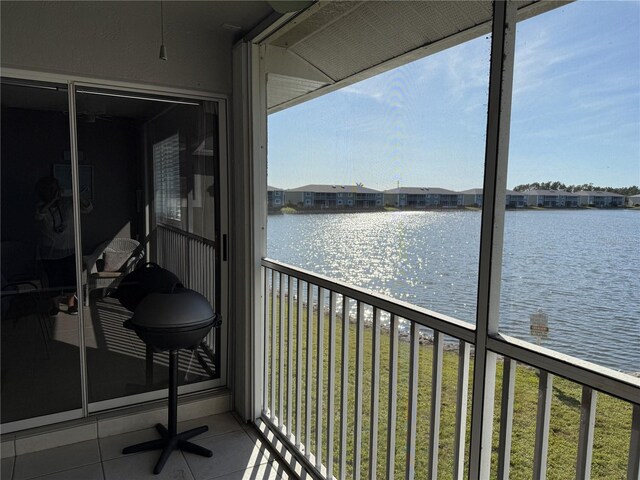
345 386
193 260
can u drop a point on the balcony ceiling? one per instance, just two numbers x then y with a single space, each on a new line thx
335 43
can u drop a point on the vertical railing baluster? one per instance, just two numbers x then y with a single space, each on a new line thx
585 440
393 399
299 366
375 387
331 381
266 341
357 424
506 417
273 346
290 357
319 377
545 390
436 402
462 393
281 332
633 468
412 418
307 431
344 387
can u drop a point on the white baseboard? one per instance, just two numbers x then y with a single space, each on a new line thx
112 423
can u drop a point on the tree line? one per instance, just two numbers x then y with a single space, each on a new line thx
626 191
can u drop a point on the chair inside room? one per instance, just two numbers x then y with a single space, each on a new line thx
109 263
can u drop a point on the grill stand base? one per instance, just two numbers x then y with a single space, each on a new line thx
171 440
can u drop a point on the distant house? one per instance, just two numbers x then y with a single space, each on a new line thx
543 198
515 199
600 199
552 199
422 197
275 197
633 201
472 197
335 196
568 199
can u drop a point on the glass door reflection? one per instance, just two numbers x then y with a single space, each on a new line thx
40 331
149 175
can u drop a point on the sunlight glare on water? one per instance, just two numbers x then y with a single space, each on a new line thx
580 267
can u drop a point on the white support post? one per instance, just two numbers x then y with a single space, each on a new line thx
545 392
319 378
272 350
344 393
307 430
247 237
436 403
393 397
266 343
331 382
375 387
281 332
506 417
464 351
299 317
633 470
585 440
412 420
289 357
490 268
357 424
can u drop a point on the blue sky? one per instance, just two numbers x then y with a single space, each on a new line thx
575 114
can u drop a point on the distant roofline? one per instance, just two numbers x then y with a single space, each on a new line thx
328 188
420 191
331 188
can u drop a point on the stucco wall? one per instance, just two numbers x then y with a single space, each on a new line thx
119 41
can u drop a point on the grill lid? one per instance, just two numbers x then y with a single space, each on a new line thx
146 279
174 309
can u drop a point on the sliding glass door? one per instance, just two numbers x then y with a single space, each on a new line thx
41 374
144 176
150 168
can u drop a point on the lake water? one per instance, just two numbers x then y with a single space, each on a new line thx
580 267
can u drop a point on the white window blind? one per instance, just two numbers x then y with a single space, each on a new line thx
166 168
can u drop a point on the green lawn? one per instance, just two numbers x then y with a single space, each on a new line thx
613 418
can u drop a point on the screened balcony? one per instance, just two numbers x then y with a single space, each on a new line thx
325 377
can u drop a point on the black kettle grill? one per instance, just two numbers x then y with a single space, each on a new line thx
146 279
171 319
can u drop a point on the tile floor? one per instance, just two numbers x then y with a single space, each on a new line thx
238 453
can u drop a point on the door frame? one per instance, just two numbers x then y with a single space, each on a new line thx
222 271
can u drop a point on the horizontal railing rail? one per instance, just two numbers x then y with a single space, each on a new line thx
344 385
614 383
427 318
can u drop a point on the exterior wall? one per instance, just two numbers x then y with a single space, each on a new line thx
470 200
536 200
601 201
447 200
117 41
394 199
342 199
295 198
516 201
617 201
569 201
368 200
275 198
